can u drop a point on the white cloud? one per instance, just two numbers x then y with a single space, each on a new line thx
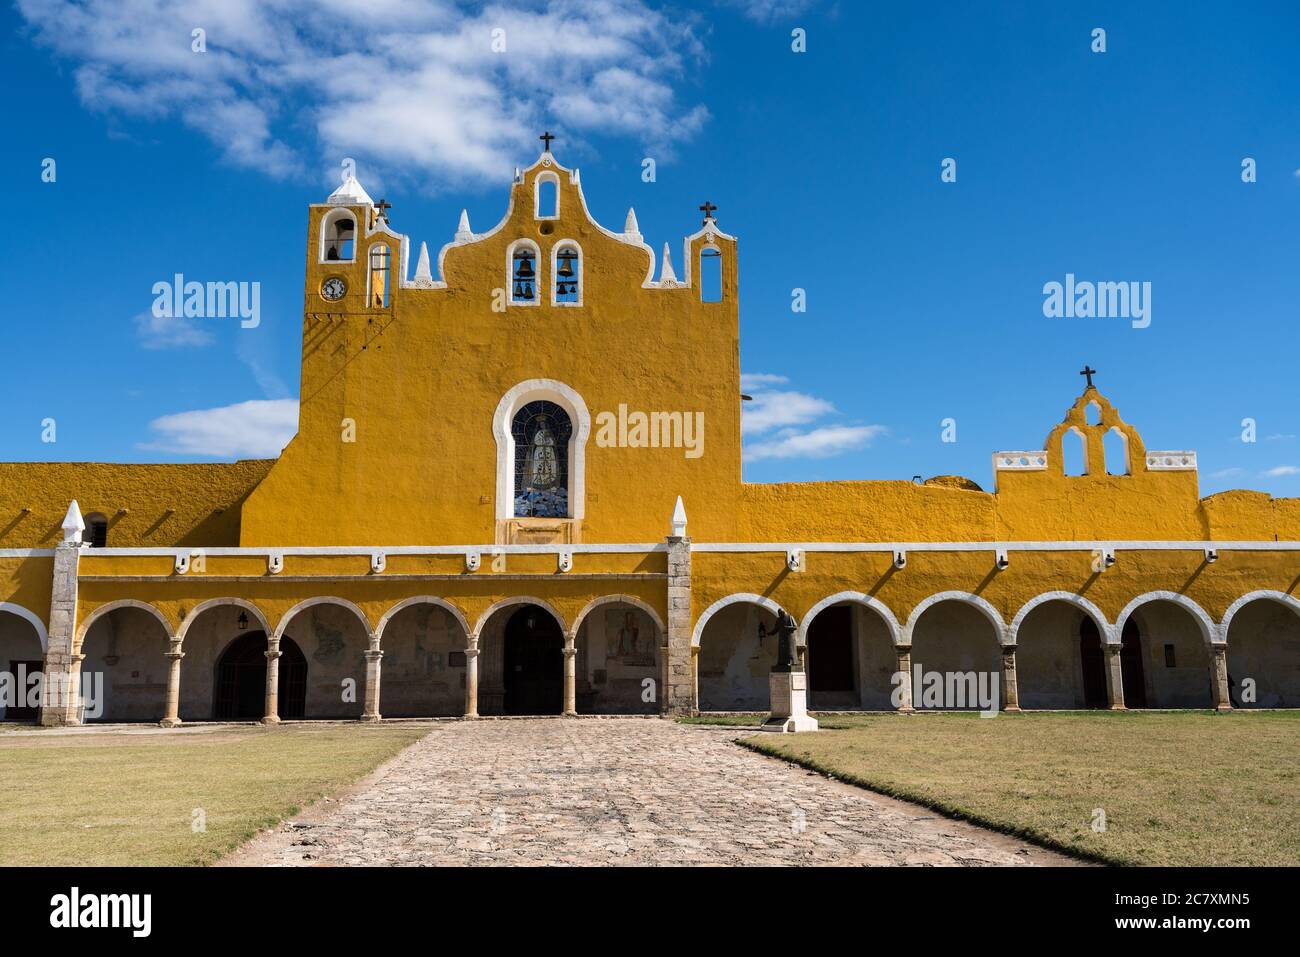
1280 437
775 410
163 332
769 11
1228 473
1283 470
259 428
406 88
753 381
820 443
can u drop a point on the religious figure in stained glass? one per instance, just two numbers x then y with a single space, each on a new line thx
541 432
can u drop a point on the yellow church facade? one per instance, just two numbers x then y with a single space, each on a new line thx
516 489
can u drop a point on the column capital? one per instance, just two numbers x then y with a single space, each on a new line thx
272 655
903 649
1113 647
471 652
569 651
174 655
1008 649
373 654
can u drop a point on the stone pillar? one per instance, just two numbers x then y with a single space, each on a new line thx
272 685
172 717
904 653
471 678
1219 677
570 677
1114 675
371 710
695 679
1010 687
62 687
679 694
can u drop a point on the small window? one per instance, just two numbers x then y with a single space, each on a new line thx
338 237
380 263
710 274
548 196
568 275
523 275
1092 413
1074 453
1169 657
96 533
1115 445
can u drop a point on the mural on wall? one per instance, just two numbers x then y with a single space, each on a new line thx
329 642
627 640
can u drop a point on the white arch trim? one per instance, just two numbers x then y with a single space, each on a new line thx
519 600
203 606
533 390
740 598
1209 630
112 606
442 603
310 602
620 600
989 612
857 598
1290 601
32 619
1069 597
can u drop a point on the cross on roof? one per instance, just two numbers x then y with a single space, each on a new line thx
382 207
546 138
1088 371
707 209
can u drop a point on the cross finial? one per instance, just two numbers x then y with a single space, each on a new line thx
707 209
546 138
1088 371
382 207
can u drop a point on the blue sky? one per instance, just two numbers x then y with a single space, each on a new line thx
924 298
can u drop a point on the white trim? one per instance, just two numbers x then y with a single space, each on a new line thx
1063 546
620 600
582 281
33 552
1020 461
532 390
1069 597
510 274
337 213
289 615
1209 631
32 619
211 603
1263 594
1172 461
989 612
420 600
736 599
519 600
113 606
853 597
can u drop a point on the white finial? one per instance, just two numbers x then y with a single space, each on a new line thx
679 519
423 277
463 233
73 524
350 193
631 229
666 274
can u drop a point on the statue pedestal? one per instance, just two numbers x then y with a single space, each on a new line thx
789 690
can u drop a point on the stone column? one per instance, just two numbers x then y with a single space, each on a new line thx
679 693
272 685
570 676
371 710
904 653
1219 677
172 717
471 678
1010 686
1114 675
62 684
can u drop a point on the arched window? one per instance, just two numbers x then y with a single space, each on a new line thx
566 266
96 533
1115 444
380 270
546 204
541 432
1092 414
1074 453
338 233
710 274
524 277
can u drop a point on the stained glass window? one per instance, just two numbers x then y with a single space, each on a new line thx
541 432
524 275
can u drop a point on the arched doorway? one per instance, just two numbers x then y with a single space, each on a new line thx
1264 655
533 663
617 661
240 692
832 672
737 652
1060 658
1092 664
1132 669
124 667
424 661
954 639
22 656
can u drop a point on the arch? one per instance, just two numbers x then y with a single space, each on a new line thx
289 615
989 612
1074 453
721 603
203 606
856 597
332 236
32 619
112 606
550 390
520 600
710 273
522 289
379 275
576 281
1209 631
1078 601
551 179
1290 601
619 600
1115 452
405 603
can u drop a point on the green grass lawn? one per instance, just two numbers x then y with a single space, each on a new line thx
106 798
1176 788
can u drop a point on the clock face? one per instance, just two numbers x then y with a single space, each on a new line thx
333 289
